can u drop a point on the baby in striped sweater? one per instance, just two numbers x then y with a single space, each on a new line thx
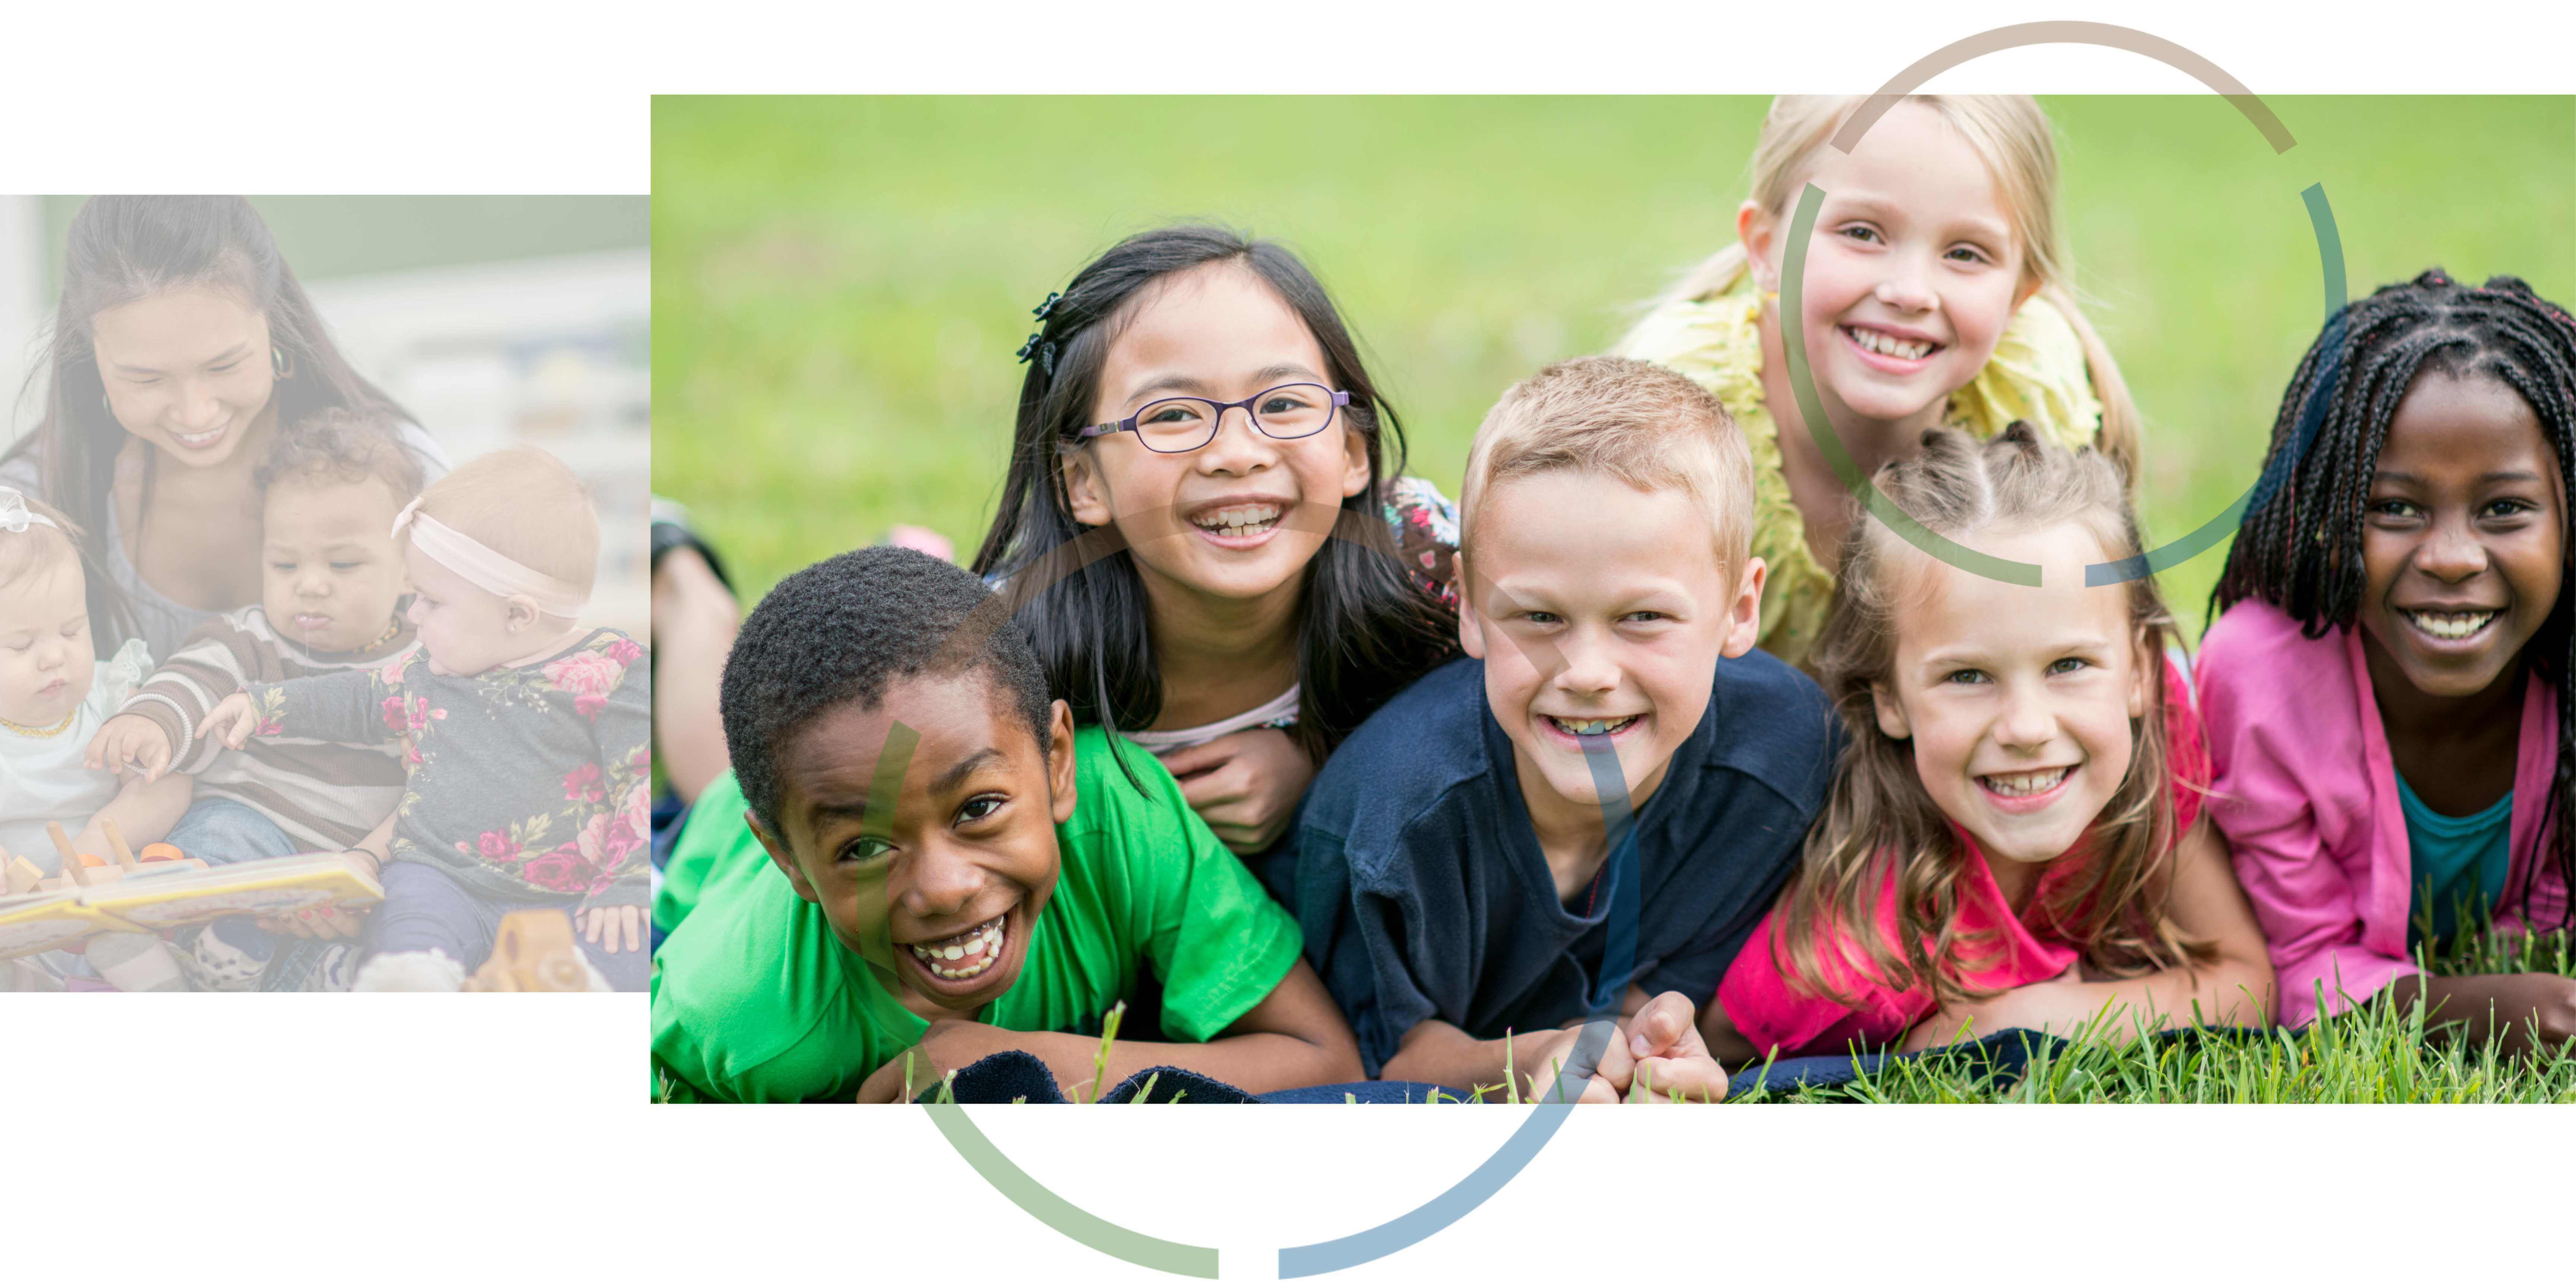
332 585
523 734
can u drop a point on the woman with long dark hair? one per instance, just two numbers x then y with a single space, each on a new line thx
180 342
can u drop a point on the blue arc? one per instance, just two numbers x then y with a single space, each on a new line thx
1618 961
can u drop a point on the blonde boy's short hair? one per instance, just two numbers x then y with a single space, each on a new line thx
1648 426
523 503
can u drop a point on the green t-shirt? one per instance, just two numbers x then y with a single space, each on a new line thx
755 999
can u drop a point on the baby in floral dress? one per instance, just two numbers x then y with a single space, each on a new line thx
525 734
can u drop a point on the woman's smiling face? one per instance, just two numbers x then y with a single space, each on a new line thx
1241 517
1912 273
2463 540
186 371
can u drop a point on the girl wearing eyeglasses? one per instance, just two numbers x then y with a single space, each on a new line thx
1205 523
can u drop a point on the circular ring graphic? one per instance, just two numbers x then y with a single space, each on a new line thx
1525 1143
1547 1115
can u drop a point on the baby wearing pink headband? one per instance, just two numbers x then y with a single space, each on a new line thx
528 756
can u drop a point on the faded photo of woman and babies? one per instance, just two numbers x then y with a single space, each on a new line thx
252 612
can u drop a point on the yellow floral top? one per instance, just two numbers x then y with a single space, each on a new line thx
2037 374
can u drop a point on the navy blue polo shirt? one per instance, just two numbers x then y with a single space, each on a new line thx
1423 892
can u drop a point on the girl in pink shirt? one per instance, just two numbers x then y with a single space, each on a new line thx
2014 838
2386 688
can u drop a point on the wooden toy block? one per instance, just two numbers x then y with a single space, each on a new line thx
71 857
164 850
534 953
116 844
23 875
98 873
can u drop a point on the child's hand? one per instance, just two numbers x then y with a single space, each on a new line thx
1609 1080
232 720
1671 1055
1245 785
131 740
629 918
327 923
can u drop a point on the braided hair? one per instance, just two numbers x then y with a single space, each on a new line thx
2299 546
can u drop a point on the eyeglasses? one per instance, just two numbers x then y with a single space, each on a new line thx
1188 424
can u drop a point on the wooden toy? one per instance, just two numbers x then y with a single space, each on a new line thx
116 845
81 871
22 875
534 953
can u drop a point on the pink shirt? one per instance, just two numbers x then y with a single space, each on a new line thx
1767 1008
2307 794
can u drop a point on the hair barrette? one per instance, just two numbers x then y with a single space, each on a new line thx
1047 305
1043 350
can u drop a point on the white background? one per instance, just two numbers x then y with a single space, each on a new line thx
507 1140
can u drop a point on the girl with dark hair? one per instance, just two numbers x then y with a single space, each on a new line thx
180 341
2013 838
2387 689
1204 528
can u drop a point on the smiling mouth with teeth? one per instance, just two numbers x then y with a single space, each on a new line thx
2451 626
196 440
962 956
1888 345
1581 728
1238 520
2036 783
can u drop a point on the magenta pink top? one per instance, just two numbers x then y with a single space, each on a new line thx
1766 1007
2306 793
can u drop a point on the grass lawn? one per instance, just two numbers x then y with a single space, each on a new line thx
2373 1055
839 286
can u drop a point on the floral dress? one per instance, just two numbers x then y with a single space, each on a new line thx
523 783
1425 527
2037 374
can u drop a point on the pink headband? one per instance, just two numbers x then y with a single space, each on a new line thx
487 568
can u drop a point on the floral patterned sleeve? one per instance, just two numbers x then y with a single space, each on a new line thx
621 725
1425 526
356 706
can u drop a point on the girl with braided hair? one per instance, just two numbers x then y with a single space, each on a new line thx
2386 688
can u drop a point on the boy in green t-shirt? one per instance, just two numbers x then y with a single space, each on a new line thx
951 871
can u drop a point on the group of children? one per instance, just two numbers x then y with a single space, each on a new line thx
414 689
1231 724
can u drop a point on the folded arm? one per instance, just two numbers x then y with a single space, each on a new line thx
2236 988
1292 1038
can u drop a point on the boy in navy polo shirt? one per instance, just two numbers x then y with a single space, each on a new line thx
1458 872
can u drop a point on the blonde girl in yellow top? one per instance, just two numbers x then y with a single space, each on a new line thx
1936 294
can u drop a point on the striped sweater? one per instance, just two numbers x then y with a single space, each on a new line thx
324 795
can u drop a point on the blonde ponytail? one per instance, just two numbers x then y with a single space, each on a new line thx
2120 432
